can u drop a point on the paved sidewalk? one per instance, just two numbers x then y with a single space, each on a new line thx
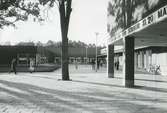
88 92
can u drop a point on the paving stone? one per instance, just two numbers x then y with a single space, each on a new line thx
86 93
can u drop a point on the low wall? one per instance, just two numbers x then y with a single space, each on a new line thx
39 68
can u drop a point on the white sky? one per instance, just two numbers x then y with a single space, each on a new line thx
87 17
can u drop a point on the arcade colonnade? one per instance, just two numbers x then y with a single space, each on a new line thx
128 61
148 32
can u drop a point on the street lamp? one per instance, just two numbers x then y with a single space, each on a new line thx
86 55
96 48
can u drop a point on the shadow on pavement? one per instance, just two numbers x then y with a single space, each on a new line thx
163 90
163 81
56 100
146 88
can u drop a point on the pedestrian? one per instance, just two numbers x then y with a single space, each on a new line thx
13 66
117 65
76 64
93 64
101 63
98 64
31 68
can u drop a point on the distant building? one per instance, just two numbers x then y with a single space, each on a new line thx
43 55
81 54
22 53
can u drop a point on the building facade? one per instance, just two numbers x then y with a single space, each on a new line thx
23 54
145 58
139 28
80 54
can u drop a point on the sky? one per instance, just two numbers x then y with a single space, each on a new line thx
88 17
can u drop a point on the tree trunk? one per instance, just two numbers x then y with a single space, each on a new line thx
129 13
65 62
64 21
124 14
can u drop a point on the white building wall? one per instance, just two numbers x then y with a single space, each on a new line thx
154 59
147 59
140 59
162 61
120 60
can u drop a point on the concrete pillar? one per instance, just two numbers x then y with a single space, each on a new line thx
150 57
147 59
145 67
140 60
128 64
136 60
110 61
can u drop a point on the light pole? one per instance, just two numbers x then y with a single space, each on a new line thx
96 48
86 55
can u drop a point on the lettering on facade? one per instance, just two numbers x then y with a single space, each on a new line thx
150 19
134 28
154 17
144 22
124 33
162 12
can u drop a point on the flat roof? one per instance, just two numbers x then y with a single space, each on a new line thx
19 49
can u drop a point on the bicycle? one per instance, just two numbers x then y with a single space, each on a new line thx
154 69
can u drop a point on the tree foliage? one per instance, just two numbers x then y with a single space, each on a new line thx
21 9
26 43
12 11
127 12
72 44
